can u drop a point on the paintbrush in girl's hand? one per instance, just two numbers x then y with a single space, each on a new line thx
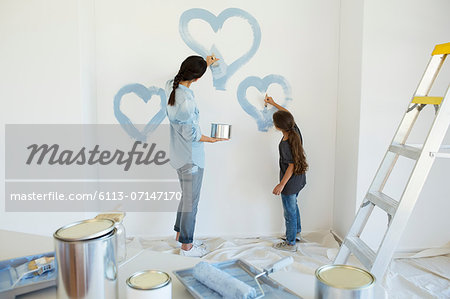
265 103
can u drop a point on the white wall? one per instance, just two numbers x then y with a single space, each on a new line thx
398 38
138 42
348 114
39 84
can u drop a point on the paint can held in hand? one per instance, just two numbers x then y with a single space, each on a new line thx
221 131
345 282
150 284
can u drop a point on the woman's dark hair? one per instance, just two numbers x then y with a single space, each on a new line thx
285 121
192 68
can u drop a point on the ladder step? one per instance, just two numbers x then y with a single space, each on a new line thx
428 100
441 49
361 250
383 201
406 151
440 155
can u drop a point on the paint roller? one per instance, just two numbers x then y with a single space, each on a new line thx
230 287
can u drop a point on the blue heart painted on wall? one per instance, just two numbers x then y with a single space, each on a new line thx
263 117
221 70
145 94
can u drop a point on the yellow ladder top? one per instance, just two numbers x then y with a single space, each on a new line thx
428 100
441 49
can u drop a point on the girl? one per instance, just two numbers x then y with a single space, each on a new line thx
186 149
293 167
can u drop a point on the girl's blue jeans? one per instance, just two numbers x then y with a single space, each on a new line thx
291 217
190 176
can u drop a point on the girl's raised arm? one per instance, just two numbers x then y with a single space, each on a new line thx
269 100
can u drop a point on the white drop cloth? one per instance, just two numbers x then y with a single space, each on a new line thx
425 274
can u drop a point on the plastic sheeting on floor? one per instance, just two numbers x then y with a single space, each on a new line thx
425 274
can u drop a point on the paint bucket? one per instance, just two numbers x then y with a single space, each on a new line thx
86 255
344 282
150 284
221 131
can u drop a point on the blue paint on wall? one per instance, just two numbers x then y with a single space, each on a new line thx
222 71
145 94
263 117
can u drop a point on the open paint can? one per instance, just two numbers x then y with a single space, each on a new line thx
344 282
150 284
86 255
222 131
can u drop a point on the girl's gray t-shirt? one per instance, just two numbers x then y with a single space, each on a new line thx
296 182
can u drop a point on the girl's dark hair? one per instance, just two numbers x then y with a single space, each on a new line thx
192 68
285 121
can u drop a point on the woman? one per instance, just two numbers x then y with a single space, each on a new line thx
186 149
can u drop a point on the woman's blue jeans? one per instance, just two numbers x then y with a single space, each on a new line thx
190 176
291 217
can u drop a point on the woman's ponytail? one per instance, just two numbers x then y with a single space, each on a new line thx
192 68
176 81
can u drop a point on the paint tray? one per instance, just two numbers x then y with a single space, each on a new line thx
240 270
8 276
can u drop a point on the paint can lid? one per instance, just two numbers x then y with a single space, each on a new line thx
220 124
345 277
85 230
148 280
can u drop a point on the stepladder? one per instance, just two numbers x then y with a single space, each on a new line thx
423 156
